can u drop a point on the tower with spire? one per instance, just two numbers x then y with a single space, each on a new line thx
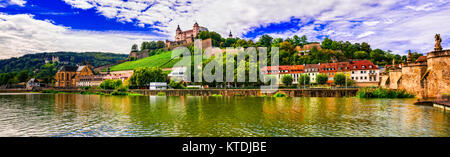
230 35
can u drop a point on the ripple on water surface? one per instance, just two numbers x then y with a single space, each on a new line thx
94 115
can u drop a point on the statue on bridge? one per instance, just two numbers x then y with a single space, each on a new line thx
438 39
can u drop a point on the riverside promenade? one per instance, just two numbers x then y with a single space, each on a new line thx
308 92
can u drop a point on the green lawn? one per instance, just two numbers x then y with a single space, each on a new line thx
162 60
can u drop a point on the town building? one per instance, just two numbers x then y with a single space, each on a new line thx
96 80
178 74
279 71
307 48
364 72
312 70
66 76
33 83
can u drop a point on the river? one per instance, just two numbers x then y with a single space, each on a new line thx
60 115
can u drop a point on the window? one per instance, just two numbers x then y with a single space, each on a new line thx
353 72
363 66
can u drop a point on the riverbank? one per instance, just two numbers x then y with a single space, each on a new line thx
312 92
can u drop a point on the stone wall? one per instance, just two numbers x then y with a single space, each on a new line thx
438 78
384 81
367 84
411 77
395 79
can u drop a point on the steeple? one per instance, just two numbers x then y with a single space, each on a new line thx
231 35
409 59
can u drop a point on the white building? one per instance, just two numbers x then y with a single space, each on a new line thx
178 74
312 70
33 83
364 72
158 85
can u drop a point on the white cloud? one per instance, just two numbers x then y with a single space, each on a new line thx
380 17
13 2
22 34
396 25
366 34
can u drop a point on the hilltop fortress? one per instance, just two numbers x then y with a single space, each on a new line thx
184 38
427 77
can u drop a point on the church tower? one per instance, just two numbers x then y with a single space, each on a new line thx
230 35
196 30
178 34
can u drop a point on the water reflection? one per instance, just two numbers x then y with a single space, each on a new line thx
96 115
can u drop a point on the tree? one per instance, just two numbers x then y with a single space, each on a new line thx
143 76
303 40
339 79
296 40
321 79
365 47
242 43
287 80
265 41
276 42
160 44
23 76
326 43
47 72
304 79
134 47
361 55
111 84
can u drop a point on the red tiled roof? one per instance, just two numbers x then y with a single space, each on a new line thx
284 68
362 65
422 59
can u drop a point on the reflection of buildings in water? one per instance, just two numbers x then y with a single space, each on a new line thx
85 103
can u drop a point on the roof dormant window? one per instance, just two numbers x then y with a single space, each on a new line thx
363 66
370 66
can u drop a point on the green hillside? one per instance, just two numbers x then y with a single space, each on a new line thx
31 62
162 60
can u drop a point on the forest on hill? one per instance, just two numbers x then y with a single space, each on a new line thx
16 70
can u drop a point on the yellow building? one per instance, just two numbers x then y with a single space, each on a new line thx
66 76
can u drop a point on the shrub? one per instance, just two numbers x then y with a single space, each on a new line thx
383 93
161 94
217 95
50 91
280 95
176 85
86 87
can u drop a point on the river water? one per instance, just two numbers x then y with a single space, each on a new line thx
57 115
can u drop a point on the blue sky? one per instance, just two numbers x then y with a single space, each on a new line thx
32 26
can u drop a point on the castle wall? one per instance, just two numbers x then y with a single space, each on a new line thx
395 79
411 77
384 81
438 79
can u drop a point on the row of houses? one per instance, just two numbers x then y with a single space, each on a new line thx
84 76
363 72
